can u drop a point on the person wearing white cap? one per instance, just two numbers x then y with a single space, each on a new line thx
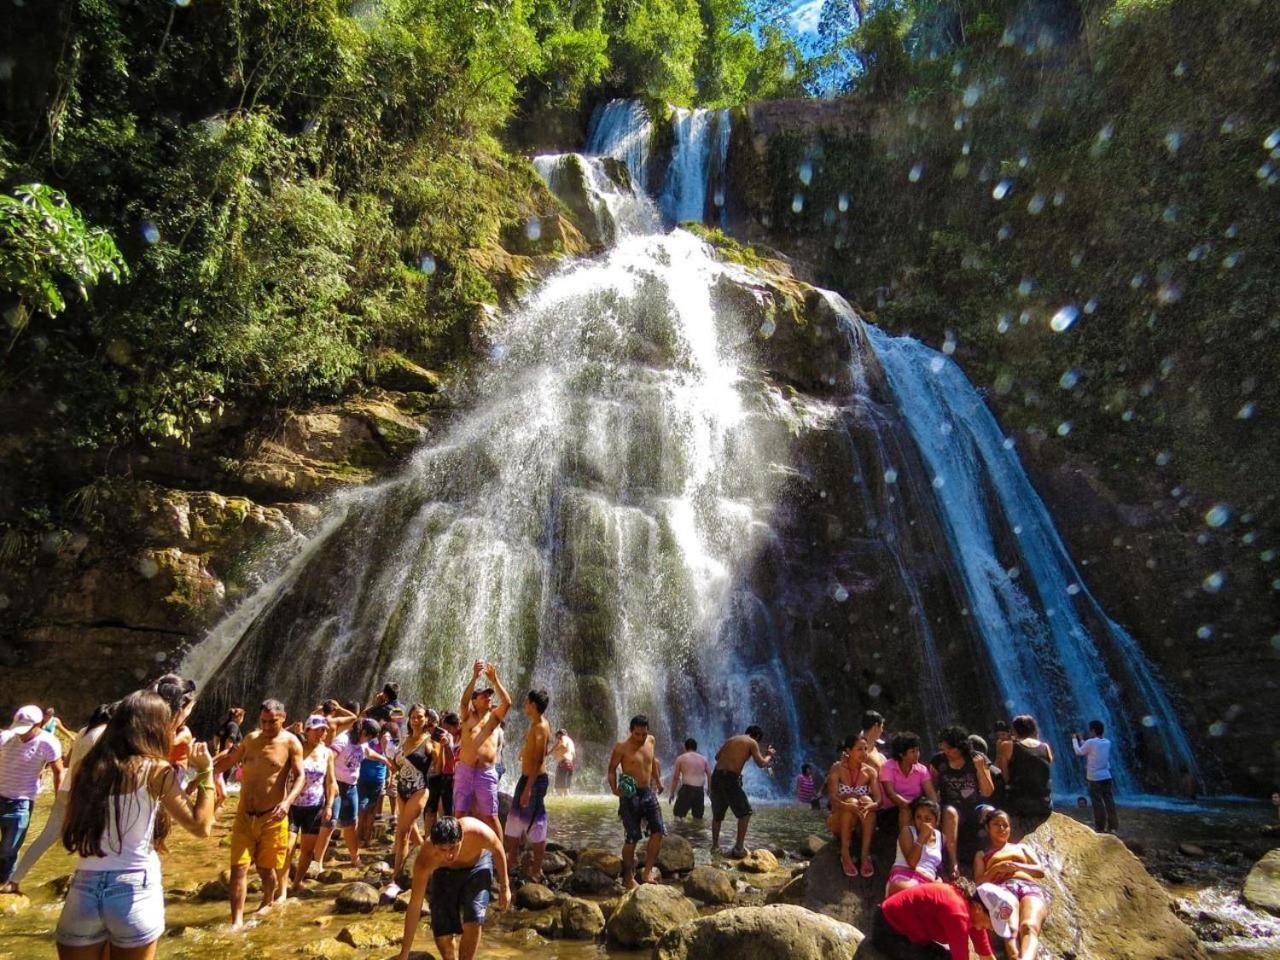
24 751
310 807
938 921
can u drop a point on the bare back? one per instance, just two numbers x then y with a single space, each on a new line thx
735 753
265 762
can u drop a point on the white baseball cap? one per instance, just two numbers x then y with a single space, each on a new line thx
26 718
1002 907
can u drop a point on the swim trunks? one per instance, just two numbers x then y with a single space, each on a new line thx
460 895
641 815
529 822
727 794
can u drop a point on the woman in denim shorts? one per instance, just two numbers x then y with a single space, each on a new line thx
114 825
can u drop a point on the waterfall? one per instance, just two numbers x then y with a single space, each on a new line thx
599 193
692 185
1033 610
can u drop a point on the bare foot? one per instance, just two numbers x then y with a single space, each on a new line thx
631 883
264 908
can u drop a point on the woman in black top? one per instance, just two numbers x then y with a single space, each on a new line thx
1027 765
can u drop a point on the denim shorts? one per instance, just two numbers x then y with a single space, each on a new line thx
125 907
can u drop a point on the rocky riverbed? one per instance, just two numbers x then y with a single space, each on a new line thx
1186 903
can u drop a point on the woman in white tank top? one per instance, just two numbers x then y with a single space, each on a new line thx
122 802
919 849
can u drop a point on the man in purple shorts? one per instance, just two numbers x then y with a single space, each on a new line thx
527 820
475 778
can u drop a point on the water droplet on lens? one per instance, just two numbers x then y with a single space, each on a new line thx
1127 416
842 202
1025 286
1218 515
1163 458
1035 204
805 172
147 567
1148 721
1247 411
797 203
916 172
1204 632
718 197
1069 379
1004 233
939 483
1002 189
767 328
1064 428
1214 581
840 594
1064 318
1173 142
1073 589
1217 728
891 475
1008 443
427 264
874 690
936 365
1002 325
533 229
150 233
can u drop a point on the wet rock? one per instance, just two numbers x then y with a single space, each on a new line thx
212 890
329 876
646 913
328 949
556 862
759 861
1262 885
761 933
378 873
603 860
607 907
812 845
676 855
366 935
790 892
356 898
710 885
11 904
581 919
535 896
586 879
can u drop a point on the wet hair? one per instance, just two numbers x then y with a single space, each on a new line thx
872 718
391 690
141 729
805 768
271 705
446 831
902 742
691 744
639 720
957 738
368 728
540 699
176 691
101 714
924 803
1096 728
1025 725
755 732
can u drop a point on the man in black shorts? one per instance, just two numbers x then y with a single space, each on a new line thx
726 785
458 861
637 787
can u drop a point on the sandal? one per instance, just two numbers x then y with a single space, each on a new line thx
850 870
868 870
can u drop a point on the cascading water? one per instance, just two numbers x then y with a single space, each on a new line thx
622 129
1036 615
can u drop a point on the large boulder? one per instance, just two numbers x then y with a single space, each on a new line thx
646 913
587 879
1262 885
356 898
676 855
760 933
581 919
710 885
535 896
606 861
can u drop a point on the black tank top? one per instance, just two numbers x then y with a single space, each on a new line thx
1030 775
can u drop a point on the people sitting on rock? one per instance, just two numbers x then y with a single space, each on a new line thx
1015 868
963 780
527 820
458 862
904 779
564 754
919 857
806 787
689 778
1096 751
1027 766
854 791
941 920
727 792
637 787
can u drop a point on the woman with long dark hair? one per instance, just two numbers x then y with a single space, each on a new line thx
413 762
123 800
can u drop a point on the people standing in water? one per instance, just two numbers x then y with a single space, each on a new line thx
919 857
1027 766
904 779
689 777
726 785
963 780
371 783
113 826
637 788
413 761
25 750
854 791
310 809
527 819
1096 751
564 753
272 777
941 920
458 861
475 776
806 787
1015 868
347 753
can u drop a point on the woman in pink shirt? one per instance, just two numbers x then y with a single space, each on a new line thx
904 778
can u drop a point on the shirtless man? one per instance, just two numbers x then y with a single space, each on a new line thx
459 862
271 779
475 778
637 791
527 819
563 752
726 785
873 729
689 782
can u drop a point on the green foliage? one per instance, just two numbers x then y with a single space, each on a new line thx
46 246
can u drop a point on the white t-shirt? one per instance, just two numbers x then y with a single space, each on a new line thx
79 750
22 761
694 769
1097 754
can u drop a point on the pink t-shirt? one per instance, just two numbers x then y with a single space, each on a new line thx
907 785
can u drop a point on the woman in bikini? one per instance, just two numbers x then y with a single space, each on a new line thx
919 849
413 764
1016 868
854 790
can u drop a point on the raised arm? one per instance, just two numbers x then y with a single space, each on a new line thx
1081 748
501 709
982 766
476 669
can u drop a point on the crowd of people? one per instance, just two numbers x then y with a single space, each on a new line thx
136 768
